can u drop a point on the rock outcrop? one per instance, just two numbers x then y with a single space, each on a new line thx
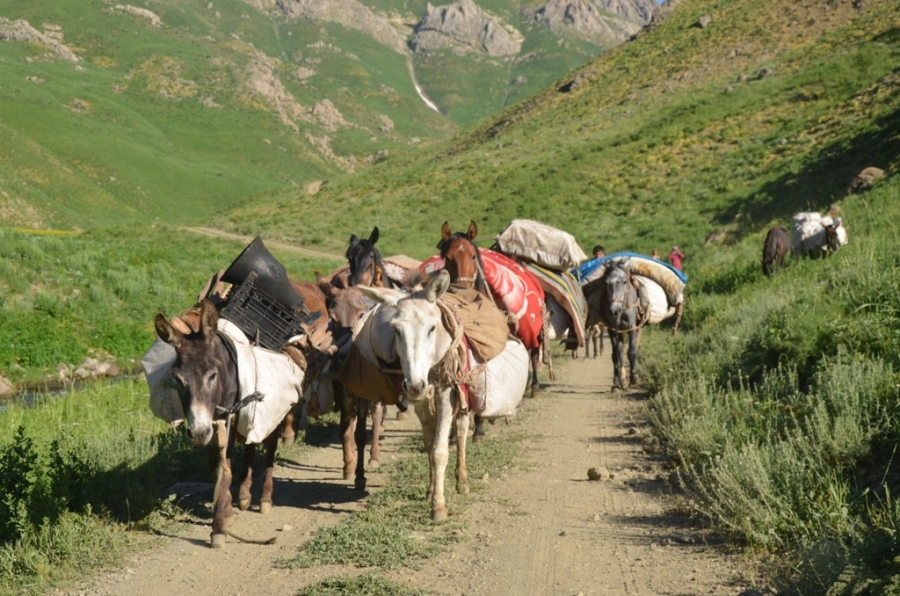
21 30
350 14
464 25
602 21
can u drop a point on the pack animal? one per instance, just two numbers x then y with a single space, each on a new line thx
206 377
814 235
522 299
366 264
462 260
346 305
775 249
412 328
615 301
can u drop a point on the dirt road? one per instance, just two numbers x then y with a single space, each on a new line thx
543 530
308 252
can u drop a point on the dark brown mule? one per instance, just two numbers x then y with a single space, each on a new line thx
775 249
205 375
345 307
366 265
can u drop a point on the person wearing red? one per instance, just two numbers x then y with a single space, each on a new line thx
675 257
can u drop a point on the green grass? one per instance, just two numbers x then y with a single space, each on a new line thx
65 297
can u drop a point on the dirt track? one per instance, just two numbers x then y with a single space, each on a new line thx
279 245
543 530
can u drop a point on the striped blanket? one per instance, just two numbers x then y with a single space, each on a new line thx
566 290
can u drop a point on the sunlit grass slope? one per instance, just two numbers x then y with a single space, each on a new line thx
683 133
180 119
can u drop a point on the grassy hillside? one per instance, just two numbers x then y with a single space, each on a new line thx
176 110
678 135
180 119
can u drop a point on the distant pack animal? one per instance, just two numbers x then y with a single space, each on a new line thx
419 332
775 249
207 378
814 235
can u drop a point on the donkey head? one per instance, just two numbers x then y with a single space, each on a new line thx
420 337
204 373
620 297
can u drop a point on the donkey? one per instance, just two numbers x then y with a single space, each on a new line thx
421 330
775 249
617 301
206 377
346 306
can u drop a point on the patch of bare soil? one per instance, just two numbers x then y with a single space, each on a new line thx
544 529
309 252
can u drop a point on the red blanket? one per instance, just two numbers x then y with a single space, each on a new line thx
514 288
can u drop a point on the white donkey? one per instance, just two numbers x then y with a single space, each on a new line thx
414 328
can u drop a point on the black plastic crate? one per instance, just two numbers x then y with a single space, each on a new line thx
265 320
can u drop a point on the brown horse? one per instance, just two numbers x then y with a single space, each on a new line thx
775 249
205 375
462 260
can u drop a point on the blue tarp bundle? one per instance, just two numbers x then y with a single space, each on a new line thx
588 267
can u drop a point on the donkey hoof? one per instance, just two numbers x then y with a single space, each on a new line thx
439 514
402 415
462 488
534 390
265 507
478 437
374 464
244 503
217 540
360 484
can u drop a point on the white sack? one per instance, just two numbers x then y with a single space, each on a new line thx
157 364
659 302
540 243
273 374
502 381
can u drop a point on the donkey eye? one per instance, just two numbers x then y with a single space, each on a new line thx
212 377
431 331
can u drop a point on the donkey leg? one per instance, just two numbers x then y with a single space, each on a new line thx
616 341
535 357
478 434
271 445
246 477
427 419
462 474
378 412
348 406
360 435
634 345
223 513
440 451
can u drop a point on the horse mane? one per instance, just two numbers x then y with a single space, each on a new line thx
444 246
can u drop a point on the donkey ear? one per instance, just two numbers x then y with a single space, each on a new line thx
437 286
166 332
387 296
353 239
209 321
473 230
445 231
373 237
